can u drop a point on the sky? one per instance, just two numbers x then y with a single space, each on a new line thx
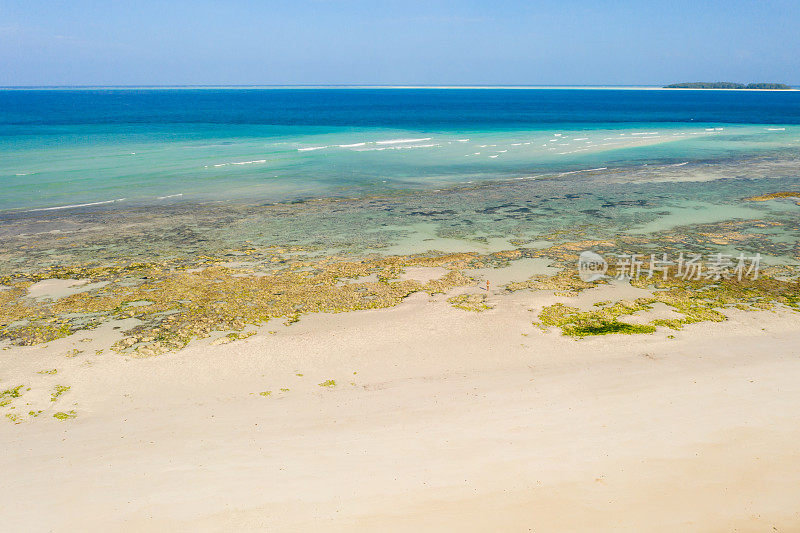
392 42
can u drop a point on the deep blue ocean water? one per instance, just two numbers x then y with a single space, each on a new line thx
69 147
394 108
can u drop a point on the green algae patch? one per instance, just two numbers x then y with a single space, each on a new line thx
36 333
11 393
702 301
470 302
774 196
602 321
193 301
696 300
265 393
230 337
238 335
206 297
48 372
328 383
61 415
8 395
58 390
564 283
606 327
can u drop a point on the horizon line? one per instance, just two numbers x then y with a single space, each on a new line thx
365 86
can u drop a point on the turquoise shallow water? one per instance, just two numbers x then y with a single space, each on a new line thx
629 208
123 148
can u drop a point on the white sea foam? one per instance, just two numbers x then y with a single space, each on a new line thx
402 141
312 148
250 162
463 140
169 196
351 145
776 129
493 156
400 147
585 170
72 206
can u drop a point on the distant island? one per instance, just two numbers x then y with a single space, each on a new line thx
728 85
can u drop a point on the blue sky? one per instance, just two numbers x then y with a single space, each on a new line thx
92 42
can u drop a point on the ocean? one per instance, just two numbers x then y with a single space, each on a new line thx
121 148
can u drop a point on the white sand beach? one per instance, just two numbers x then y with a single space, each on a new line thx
439 420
